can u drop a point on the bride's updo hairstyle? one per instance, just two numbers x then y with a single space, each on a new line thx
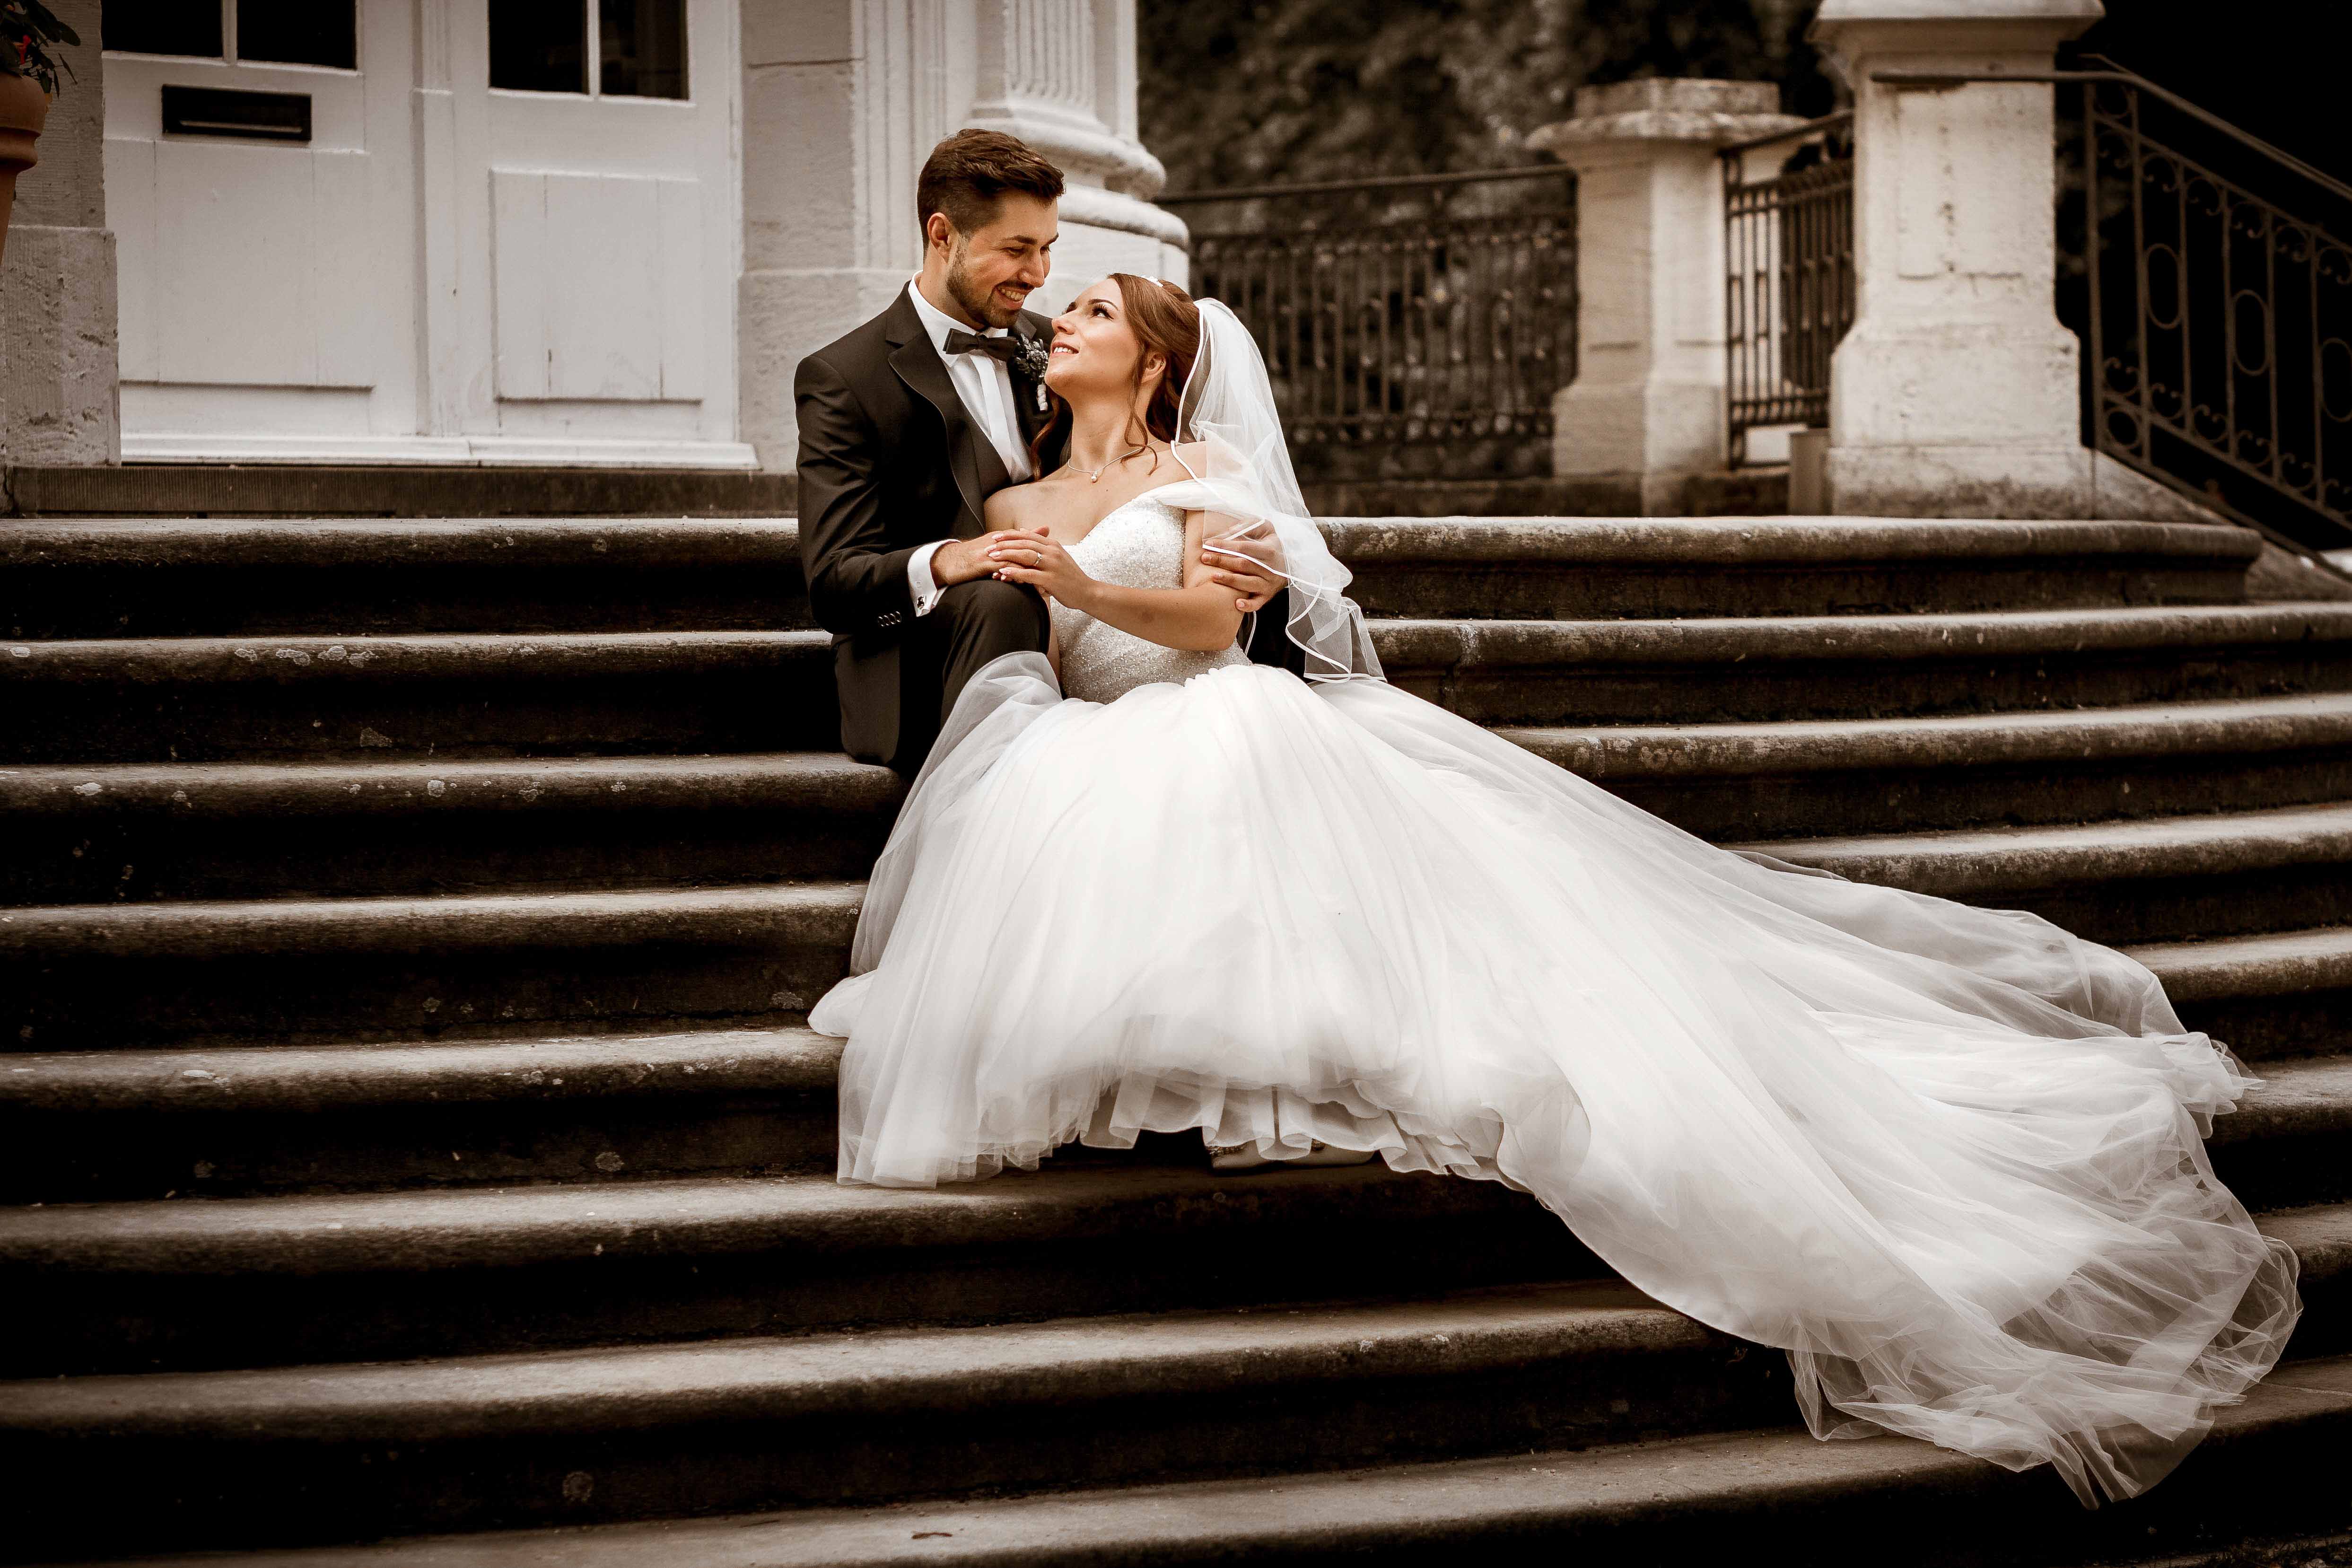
1165 321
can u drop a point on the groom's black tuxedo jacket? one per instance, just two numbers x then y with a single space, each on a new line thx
890 460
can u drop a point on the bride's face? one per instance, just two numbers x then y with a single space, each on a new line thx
1095 351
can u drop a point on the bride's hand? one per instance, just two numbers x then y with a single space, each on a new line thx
1024 556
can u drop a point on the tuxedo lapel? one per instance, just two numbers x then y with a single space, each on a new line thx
916 363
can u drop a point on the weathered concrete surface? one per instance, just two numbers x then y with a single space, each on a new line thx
58 377
1646 408
290 492
1956 387
1691 1500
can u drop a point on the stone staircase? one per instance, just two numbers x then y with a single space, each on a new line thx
408 1130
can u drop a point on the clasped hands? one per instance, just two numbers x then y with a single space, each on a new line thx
1032 556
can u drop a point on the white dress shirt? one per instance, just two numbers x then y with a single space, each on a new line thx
985 385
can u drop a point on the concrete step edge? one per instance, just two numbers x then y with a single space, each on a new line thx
2305 1095
286 1079
1770 1487
805 781
801 913
1828 542
913 1371
2228 727
413 1230
1975 861
1406 643
418 1229
2267 963
831 781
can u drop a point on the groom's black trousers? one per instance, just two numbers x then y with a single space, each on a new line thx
973 624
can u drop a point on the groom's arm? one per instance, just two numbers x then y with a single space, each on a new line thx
857 582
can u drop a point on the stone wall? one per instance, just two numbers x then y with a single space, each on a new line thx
57 384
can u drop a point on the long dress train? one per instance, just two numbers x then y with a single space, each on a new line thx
1949 1159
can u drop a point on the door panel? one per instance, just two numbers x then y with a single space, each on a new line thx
624 326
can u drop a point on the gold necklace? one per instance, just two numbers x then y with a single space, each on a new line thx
1096 478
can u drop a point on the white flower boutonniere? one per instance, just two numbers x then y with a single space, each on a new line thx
1030 365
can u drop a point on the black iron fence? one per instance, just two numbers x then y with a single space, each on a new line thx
1788 241
1414 327
2219 320
2210 279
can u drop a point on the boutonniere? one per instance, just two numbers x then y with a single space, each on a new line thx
1030 362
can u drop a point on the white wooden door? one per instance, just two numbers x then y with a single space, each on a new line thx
503 231
258 184
599 323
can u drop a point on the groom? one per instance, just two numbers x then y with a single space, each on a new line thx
907 425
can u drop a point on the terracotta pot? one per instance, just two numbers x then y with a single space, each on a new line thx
24 110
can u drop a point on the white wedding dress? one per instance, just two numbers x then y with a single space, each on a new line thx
1949 1159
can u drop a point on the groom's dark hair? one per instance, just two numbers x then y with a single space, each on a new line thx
965 175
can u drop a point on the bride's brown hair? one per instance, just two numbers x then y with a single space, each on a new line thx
1165 321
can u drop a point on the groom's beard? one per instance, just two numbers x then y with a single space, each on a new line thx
980 304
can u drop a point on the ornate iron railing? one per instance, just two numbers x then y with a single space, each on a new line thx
2214 302
1413 327
1788 244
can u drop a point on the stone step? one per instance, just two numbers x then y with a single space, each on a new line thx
1886 775
74 975
208 699
220 699
2272 996
408 826
188 1283
2270 1466
387 968
230 1282
79 1126
135 831
1851 666
101 577
306 1453
110 1125
2153 880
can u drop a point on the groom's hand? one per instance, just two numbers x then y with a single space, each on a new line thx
1251 583
962 560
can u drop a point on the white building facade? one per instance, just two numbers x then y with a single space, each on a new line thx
575 232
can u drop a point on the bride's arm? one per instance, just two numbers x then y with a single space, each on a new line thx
1201 615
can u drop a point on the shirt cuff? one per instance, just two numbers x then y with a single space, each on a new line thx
919 577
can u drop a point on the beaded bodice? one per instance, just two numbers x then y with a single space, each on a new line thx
1140 544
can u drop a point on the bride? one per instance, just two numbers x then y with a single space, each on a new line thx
1949 1159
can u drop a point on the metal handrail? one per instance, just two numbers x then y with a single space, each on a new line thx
2213 122
1335 187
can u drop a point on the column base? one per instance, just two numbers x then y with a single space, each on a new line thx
1999 482
59 403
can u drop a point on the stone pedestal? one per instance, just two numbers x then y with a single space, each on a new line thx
1647 405
841 101
58 402
1956 391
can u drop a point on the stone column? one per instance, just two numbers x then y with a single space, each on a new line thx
59 394
1956 394
843 99
1647 405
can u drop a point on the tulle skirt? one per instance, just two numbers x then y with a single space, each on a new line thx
1949 1159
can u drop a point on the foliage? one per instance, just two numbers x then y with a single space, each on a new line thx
27 28
1246 92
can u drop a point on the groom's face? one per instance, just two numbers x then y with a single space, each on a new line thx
993 270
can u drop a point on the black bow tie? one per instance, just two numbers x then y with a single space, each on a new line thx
1004 347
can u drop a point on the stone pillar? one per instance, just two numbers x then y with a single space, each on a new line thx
1956 392
58 389
1647 405
841 100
